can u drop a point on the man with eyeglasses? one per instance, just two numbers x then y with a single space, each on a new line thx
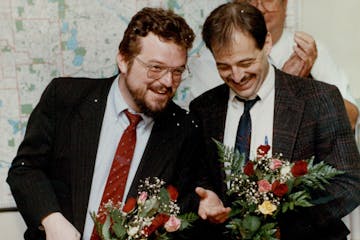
296 117
62 166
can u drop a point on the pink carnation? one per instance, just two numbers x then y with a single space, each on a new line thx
142 198
264 186
275 164
173 224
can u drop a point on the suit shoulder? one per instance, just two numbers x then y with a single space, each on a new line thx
73 84
303 87
210 96
179 116
67 90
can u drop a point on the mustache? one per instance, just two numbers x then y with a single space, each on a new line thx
162 88
244 79
247 77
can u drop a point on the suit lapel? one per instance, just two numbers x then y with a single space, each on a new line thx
288 113
159 147
215 126
218 113
85 131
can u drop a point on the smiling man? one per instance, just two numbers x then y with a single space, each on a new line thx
89 141
259 104
298 53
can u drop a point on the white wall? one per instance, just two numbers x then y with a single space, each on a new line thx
336 24
12 227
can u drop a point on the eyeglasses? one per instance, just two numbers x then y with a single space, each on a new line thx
225 69
269 5
156 72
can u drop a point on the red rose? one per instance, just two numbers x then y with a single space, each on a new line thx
158 221
262 150
173 193
279 189
129 205
249 168
299 168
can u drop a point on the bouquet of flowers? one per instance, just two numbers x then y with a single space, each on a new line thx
266 187
152 215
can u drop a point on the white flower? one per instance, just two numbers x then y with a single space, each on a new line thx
285 170
133 230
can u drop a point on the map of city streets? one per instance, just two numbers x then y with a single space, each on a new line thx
43 39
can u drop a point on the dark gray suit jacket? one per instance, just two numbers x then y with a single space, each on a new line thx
309 120
54 165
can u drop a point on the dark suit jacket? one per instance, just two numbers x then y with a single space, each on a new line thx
309 120
55 162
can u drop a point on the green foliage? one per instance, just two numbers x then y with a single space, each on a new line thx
319 175
233 159
187 219
267 187
151 210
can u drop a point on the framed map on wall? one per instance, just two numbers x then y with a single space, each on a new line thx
41 40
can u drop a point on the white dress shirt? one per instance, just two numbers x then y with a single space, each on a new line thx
324 68
262 116
114 123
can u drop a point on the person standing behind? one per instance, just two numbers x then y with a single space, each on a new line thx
297 117
63 165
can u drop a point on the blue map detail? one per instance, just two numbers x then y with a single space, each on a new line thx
196 49
72 43
4 164
174 4
65 27
78 60
17 126
184 93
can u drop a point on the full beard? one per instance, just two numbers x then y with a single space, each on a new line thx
144 106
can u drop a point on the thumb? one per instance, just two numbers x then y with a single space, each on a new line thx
201 192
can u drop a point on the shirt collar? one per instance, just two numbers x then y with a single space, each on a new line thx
119 105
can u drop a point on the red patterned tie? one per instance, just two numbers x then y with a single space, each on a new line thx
115 185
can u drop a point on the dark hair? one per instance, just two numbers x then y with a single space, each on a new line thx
220 25
163 23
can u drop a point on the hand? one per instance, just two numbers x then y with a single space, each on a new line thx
211 207
295 66
57 227
302 60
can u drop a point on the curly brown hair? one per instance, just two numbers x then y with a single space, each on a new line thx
161 22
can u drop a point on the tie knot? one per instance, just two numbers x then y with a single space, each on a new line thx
248 104
133 118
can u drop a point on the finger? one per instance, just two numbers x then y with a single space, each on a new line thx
304 36
308 46
301 53
219 218
293 65
202 213
201 192
305 71
218 212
